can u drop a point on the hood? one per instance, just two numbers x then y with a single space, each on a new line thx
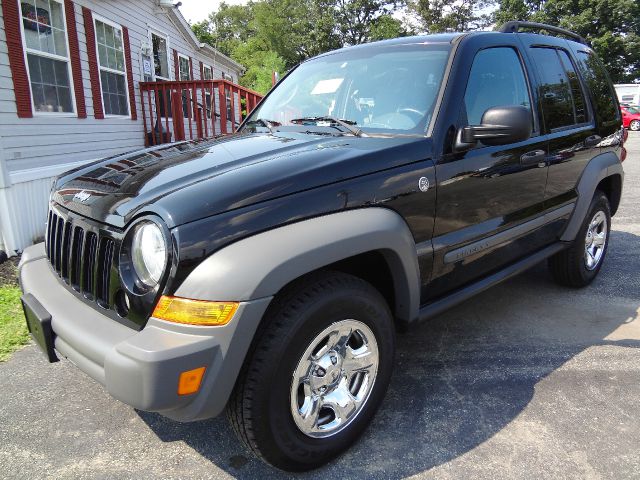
187 181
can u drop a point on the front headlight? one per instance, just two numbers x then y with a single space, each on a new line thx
148 253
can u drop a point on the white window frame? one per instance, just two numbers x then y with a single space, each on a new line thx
153 31
205 68
178 73
98 18
52 56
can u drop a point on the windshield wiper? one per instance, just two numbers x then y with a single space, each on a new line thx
347 124
270 124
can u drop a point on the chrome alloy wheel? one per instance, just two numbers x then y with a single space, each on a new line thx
595 240
334 378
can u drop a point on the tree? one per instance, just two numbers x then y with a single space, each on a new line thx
436 16
387 26
356 19
612 27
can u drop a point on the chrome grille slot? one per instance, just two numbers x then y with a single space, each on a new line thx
58 244
89 265
103 276
66 250
76 258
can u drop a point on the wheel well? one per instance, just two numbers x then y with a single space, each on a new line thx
612 187
370 267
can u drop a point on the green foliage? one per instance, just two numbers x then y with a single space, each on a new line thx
268 35
612 27
436 16
13 329
387 26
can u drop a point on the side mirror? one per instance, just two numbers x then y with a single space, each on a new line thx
500 126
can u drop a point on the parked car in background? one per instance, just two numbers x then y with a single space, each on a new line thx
631 117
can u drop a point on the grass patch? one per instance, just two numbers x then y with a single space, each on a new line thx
13 329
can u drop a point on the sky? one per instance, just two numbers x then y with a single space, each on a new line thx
197 10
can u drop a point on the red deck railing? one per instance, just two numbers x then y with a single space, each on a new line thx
194 109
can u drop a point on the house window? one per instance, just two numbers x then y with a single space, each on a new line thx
160 57
113 81
207 74
184 65
45 40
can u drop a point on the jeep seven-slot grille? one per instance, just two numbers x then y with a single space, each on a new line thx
81 257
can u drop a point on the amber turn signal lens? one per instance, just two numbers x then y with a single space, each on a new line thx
194 312
190 381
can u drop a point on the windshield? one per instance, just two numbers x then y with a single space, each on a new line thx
390 89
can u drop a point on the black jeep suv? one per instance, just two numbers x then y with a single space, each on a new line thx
267 271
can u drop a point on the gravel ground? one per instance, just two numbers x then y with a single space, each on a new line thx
528 380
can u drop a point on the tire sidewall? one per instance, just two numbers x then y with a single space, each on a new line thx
599 203
283 434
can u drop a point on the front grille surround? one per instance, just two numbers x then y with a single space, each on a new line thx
83 254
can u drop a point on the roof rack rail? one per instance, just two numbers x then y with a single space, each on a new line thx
515 26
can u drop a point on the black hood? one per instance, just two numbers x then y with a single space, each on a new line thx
187 181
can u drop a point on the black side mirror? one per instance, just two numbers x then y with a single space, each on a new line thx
500 126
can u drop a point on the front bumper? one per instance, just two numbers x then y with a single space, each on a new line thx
141 368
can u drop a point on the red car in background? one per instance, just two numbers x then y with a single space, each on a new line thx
631 117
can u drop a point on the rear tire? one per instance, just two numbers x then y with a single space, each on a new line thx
634 125
579 264
277 405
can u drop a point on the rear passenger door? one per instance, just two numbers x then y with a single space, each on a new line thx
568 120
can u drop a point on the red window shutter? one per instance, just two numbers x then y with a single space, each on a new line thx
201 71
191 68
21 85
94 73
127 55
176 64
74 55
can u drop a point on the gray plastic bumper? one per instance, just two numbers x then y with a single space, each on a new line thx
141 368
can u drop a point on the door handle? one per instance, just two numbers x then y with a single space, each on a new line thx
592 141
535 157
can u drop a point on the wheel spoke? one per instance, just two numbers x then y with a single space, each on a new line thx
341 402
599 239
357 360
310 411
338 338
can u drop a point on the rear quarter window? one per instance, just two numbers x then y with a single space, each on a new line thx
600 87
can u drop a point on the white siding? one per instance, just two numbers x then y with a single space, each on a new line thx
41 143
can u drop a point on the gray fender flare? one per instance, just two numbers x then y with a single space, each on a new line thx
260 265
598 168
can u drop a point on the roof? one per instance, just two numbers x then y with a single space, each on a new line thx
413 40
184 27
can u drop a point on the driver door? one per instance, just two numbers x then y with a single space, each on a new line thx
489 198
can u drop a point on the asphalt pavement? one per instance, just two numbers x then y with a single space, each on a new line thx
528 380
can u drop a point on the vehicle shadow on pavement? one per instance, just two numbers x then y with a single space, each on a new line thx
464 376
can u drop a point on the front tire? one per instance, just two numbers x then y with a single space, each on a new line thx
579 264
317 373
634 125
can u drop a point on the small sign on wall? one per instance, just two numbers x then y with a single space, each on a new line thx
146 67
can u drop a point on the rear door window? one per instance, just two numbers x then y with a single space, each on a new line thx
563 101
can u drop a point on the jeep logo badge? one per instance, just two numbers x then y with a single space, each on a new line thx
423 184
81 196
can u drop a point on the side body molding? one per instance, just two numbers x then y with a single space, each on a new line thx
260 265
598 168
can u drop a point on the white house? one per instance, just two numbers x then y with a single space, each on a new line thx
70 73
